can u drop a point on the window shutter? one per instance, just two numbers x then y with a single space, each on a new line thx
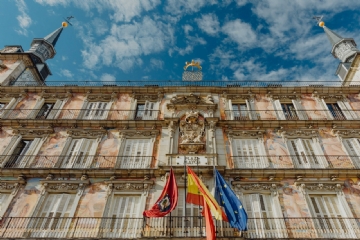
249 154
352 147
71 153
6 110
350 109
136 153
37 107
300 110
318 153
86 153
83 110
89 111
230 115
151 110
326 110
278 110
55 111
32 151
6 154
3 202
345 111
132 112
103 112
252 109
297 153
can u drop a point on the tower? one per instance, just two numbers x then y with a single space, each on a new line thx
343 49
21 68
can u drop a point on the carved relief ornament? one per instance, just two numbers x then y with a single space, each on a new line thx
148 96
100 97
192 131
138 133
245 133
334 186
33 132
346 133
55 96
191 101
86 133
67 186
304 133
129 186
256 186
11 186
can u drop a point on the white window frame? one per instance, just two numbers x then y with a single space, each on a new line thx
90 110
39 103
307 159
126 188
242 189
151 110
299 109
257 160
74 187
67 161
4 112
250 108
353 150
11 189
57 108
333 188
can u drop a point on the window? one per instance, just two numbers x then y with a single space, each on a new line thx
352 147
56 109
265 218
97 110
147 111
79 153
45 111
242 111
187 218
289 111
306 153
137 154
339 110
329 217
23 152
124 219
249 153
54 216
8 193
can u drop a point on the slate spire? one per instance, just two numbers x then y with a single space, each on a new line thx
342 48
53 37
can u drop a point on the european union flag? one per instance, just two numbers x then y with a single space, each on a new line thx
226 198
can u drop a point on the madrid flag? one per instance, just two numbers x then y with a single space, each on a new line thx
167 200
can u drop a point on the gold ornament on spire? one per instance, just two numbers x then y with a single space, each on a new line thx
64 24
192 64
321 24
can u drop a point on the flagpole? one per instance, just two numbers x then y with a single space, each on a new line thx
197 164
185 186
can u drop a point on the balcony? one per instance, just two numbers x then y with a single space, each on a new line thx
177 227
80 114
80 161
257 115
295 162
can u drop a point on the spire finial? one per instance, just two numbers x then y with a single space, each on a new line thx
319 20
67 22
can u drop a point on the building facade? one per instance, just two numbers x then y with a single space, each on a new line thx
86 161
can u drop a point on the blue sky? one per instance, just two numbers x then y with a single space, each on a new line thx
152 39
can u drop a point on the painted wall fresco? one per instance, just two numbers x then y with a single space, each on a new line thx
5 138
313 107
108 150
71 109
355 102
277 150
121 108
25 106
8 65
265 107
93 201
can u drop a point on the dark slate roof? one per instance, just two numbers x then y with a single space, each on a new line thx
53 37
333 37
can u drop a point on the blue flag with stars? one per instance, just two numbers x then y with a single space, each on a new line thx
227 199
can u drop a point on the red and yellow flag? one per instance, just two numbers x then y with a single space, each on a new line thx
198 194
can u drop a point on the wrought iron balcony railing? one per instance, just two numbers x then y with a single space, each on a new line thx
77 161
81 114
295 161
176 227
204 83
257 115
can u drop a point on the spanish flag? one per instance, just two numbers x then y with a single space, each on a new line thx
198 194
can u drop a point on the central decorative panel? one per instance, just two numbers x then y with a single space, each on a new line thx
192 133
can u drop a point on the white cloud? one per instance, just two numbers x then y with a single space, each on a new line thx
126 44
66 73
182 7
108 78
124 10
156 63
187 29
100 26
241 33
23 19
241 3
209 23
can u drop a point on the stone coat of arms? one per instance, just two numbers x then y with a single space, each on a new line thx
192 131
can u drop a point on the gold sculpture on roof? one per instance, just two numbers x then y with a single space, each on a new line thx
192 64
